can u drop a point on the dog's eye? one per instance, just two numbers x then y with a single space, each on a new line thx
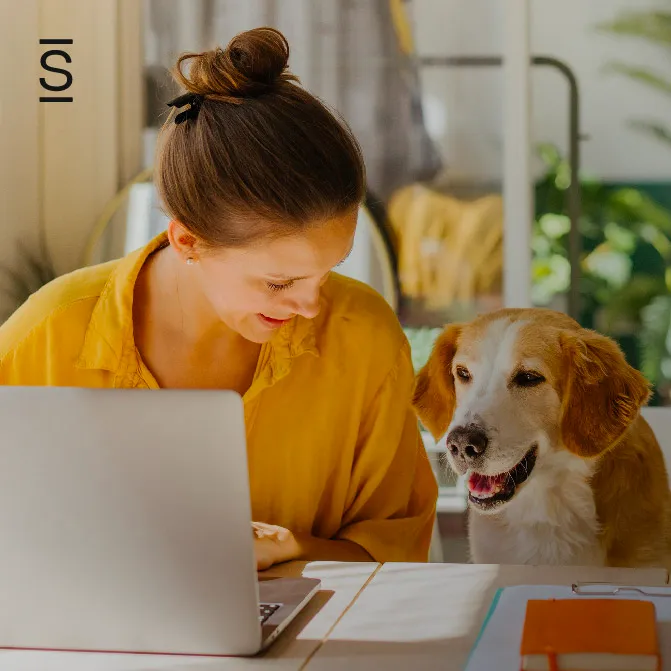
527 378
463 374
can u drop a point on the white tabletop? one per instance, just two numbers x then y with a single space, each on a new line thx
395 616
341 582
424 617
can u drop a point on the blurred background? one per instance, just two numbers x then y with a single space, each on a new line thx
518 153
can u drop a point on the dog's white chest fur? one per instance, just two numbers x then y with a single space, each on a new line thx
552 519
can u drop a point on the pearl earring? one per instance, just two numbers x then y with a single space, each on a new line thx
190 261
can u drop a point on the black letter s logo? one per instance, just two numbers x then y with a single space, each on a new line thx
46 66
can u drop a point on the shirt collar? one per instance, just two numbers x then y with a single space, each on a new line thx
109 344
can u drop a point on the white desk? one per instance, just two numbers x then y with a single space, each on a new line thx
424 617
396 616
340 585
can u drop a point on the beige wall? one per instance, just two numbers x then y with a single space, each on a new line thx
19 132
61 162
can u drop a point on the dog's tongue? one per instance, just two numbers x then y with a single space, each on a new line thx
483 486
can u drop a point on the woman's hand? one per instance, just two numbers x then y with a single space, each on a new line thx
273 545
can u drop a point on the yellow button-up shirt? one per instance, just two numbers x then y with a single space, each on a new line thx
333 445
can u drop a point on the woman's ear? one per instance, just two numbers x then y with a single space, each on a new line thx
182 240
602 394
434 398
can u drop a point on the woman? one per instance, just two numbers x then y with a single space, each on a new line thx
262 184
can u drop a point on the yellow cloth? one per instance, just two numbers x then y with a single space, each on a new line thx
333 445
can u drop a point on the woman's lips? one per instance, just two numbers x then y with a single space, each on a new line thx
270 321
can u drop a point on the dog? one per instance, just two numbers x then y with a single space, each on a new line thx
543 417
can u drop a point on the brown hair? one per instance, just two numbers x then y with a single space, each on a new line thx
262 157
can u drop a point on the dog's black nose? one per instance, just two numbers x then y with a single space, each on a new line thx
467 442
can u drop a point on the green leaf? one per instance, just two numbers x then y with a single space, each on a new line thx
554 226
541 246
609 264
628 302
421 342
550 276
654 337
654 129
619 237
654 26
549 154
641 75
631 205
31 273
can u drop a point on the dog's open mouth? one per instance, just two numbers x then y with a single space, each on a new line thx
487 491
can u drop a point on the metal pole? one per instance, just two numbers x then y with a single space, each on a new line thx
573 194
517 194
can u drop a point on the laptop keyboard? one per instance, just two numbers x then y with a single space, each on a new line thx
267 609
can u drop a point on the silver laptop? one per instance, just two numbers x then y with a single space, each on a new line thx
125 525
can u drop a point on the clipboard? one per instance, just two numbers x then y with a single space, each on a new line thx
605 589
497 644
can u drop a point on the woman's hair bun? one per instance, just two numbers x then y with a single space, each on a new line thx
253 63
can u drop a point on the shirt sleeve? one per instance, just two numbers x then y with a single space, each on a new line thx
393 491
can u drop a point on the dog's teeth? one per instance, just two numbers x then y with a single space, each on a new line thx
484 487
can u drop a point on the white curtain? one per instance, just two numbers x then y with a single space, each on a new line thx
344 51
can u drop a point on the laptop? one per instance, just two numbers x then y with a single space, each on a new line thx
125 521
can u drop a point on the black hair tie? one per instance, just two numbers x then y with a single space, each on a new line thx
193 100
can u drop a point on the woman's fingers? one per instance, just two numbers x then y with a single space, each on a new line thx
272 531
272 545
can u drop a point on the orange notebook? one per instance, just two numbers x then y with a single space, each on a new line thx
590 635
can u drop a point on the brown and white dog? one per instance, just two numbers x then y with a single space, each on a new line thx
543 418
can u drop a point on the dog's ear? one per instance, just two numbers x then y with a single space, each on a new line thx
434 397
601 393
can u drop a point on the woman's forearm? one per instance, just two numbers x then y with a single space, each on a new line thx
310 548
276 545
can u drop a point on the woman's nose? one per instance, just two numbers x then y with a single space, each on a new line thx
307 305
308 310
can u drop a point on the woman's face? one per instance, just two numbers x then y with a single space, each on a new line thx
255 289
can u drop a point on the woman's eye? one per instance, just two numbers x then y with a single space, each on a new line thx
528 379
279 287
463 374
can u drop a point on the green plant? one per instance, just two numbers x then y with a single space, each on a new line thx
625 267
626 239
32 270
656 340
652 26
421 343
618 227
